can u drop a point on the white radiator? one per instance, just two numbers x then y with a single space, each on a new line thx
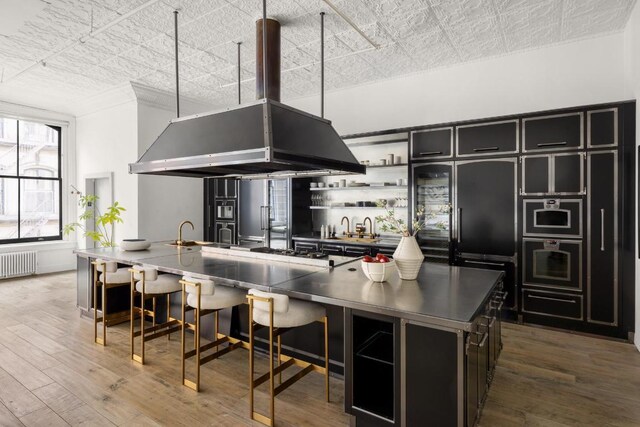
14 264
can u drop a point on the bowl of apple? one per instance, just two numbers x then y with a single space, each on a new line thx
378 268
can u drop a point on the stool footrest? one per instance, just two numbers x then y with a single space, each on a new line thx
159 334
276 370
292 380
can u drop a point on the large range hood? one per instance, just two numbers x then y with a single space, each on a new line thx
262 139
257 140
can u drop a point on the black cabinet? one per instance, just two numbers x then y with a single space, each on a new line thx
305 246
602 256
357 251
486 207
555 132
602 128
553 304
330 249
554 174
372 368
492 138
226 188
431 370
432 143
509 281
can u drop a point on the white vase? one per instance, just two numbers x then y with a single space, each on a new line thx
408 257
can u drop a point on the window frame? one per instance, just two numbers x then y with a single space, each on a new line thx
21 178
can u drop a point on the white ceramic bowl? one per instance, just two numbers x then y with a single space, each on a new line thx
378 271
134 244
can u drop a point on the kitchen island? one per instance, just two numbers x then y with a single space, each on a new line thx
413 350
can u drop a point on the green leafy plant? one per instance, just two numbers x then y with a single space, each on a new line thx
104 223
389 222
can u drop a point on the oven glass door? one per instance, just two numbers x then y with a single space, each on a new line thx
226 233
552 217
552 263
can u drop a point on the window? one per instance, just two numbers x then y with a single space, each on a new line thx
30 181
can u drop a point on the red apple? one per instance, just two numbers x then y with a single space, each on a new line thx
379 256
367 258
383 258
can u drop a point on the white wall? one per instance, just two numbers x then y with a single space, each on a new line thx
579 73
107 141
632 70
165 201
55 255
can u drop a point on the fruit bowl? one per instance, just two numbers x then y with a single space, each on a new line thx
378 271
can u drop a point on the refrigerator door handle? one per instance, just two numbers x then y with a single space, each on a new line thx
602 230
262 218
459 222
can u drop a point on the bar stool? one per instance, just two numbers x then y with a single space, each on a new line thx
107 275
280 314
146 282
203 297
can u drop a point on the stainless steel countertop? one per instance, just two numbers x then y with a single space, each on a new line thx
442 295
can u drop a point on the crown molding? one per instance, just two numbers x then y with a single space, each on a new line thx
164 100
113 97
140 94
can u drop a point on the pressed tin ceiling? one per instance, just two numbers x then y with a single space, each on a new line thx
412 35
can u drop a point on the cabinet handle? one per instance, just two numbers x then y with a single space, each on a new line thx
552 144
491 319
430 153
459 227
497 264
602 230
483 341
570 301
479 150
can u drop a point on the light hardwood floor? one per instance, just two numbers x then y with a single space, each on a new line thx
52 374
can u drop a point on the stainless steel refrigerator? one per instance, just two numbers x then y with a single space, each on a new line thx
265 213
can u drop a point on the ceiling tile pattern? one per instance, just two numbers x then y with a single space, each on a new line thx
57 58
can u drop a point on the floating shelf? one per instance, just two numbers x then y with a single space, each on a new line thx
346 207
377 187
387 166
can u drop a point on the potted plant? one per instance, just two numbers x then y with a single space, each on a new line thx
104 222
407 255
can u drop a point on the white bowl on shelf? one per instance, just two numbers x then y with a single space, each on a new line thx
378 271
134 244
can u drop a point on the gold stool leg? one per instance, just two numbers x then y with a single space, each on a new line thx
271 379
95 304
215 327
184 325
153 307
251 358
104 310
132 316
279 360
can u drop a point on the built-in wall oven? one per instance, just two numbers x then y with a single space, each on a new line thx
552 263
552 217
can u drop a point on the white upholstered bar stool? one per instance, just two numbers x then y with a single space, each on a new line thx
107 275
280 314
146 282
203 297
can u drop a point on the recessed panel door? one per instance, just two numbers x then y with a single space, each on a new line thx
485 207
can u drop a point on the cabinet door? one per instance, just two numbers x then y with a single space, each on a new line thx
357 251
535 175
602 258
487 138
306 246
432 186
433 384
231 188
485 207
602 128
556 132
568 173
220 188
432 143
333 249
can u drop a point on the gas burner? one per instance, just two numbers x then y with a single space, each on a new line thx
291 253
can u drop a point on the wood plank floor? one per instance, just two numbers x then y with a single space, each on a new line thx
52 374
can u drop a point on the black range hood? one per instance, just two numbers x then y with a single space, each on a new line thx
262 139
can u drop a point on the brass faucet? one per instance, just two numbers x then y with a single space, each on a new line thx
181 242
371 235
348 232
